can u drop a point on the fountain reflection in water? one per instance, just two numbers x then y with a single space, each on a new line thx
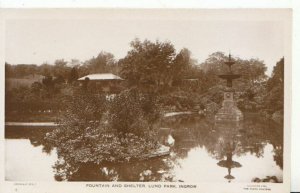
228 143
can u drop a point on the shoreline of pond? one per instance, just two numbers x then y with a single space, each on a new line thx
52 124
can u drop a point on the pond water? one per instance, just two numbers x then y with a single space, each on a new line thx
201 151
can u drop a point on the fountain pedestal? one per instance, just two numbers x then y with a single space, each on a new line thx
229 110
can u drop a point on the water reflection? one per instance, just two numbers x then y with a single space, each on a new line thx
35 135
229 163
24 162
202 151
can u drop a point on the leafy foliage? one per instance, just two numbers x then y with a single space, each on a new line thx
133 112
252 71
103 63
274 99
73 75
95 130
153 62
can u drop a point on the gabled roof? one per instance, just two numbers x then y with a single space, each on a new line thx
101 76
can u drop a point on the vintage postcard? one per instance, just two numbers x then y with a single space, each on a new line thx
131 100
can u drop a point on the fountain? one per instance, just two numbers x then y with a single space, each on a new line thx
229 110
229 163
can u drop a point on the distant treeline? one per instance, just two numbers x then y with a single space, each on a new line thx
64 70
180 80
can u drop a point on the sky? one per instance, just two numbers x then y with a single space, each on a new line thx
35 41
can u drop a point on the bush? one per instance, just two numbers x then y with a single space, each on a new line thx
95 130
133 112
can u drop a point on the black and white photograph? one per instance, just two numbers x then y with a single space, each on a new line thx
178 96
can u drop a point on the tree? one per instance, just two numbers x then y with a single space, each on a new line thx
101 64
21 70
277 77
59 79
252 71
274 100
184 65
50 88
215 63
134 112
212 67
60 69
153 62
74 63
45 69
73 75
48 81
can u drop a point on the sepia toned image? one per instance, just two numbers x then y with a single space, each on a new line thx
136 96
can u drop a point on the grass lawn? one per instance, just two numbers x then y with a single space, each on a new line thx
25 81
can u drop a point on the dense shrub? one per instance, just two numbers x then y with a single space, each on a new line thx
133 112
95 130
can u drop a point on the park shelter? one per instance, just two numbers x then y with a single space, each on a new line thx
103 82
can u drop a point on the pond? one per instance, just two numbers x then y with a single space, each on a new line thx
201 151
